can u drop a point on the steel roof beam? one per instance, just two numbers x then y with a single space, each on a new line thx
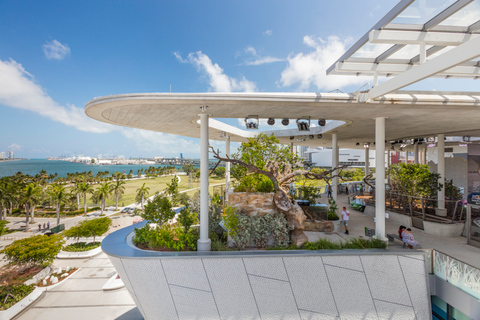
416 37
389 52
463 53
474 27
445 14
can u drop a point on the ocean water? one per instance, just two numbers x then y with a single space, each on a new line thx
32 167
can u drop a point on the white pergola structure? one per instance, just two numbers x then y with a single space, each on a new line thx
376 117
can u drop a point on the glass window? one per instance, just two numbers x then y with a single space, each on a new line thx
422 11
465 17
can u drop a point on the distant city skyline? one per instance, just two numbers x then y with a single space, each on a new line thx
56 56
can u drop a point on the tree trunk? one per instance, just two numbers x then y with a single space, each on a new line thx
85 204
78 201
27 227
294 215
4 213
142 201
101 207
116 201
33 214
58 213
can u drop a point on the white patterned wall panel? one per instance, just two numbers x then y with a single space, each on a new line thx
353 262
180 272
151 288
305 315
274 298
231 288
385 279
351 293
417 285
266 267
311 286
194 304
117 263
393 311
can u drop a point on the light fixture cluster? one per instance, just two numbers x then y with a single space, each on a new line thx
303 138
303 123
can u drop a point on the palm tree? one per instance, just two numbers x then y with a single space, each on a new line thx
142 192
102 194
83 189
31 196
118 189
58 194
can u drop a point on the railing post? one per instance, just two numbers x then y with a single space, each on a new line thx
446 269
423 209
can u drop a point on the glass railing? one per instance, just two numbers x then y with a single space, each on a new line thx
456 272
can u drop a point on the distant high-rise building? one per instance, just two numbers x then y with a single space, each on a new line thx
11 155
181 155
2 155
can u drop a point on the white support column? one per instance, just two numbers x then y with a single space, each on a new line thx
389 162
227 168
204 243
406 154
335 164
441 211
424 155
367 160
380 178
423 52
415 154
291 147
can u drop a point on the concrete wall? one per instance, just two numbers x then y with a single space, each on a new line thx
401 219
278 285
444 230
456 169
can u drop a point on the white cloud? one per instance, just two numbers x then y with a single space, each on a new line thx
18 90
152 141
218 80
257 59
267 33
15 147
55 50
306 69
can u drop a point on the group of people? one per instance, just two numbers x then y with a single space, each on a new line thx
45 226
407 237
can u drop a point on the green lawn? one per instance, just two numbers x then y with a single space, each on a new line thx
155 185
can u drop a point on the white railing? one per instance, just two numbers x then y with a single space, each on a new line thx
456 272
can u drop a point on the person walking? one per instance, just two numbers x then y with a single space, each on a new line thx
39 227
48 225
345 218
329 194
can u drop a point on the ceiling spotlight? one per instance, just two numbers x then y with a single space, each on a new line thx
302 138
285 122
357 144
431 139
466 138
292 137
271 121
319 136
311 136
322 122
393 147
251 122
303 124
366 144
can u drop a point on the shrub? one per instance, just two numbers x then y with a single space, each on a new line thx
3 227
81 246
183 198
186 219
159 210
37 250
322 244
353 243
10 295
89 228
165 238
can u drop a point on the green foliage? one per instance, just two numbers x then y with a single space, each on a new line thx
172 191
310 193
186 219
332 209
353 243
230 220
166 238
183 198
81 246
352 174
255 183
3 227
89 228
36 250
188 168
220 172
243 234
159 210
452 192
219 243
322 244
414 180
10 295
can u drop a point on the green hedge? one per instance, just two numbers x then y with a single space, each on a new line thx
353 243
81 246
17 293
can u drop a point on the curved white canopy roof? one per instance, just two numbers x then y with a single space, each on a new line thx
409 114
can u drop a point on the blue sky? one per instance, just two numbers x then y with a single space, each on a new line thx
57 55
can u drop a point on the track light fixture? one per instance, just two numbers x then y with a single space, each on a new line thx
357 144
251 122
319 136
311 136
303 124
285 122
466 138
292 137
322 122
271 121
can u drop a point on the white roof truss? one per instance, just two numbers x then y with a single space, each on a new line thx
443 50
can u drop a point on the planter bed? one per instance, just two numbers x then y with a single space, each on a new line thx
79 255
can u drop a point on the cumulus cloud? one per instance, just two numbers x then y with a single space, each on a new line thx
19 90
257 60
267 33
306 69
55 50
218 80
15 147
151 141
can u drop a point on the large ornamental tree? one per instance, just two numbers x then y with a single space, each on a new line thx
264 156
